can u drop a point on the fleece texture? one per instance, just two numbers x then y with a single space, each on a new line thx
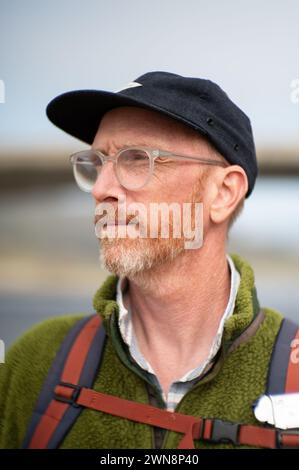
227 392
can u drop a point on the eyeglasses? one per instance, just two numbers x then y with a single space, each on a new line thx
133 166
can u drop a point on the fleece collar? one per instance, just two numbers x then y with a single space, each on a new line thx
246 305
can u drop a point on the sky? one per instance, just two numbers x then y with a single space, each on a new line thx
251 49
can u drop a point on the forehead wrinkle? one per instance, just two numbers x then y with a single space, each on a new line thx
171 136
130 143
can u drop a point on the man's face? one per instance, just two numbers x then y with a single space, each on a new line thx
173 181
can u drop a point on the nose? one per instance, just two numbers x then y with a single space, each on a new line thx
107 184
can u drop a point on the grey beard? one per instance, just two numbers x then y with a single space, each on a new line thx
138 257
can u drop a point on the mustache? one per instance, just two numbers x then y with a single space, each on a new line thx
115 220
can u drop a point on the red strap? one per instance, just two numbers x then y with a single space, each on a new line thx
71 374
290 440
292 381
47 425
189 425
258 436
77 355
193 428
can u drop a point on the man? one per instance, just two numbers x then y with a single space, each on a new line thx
185 331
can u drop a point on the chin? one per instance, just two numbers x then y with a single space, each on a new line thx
128 258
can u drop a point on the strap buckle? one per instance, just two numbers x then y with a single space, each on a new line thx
65 396
225 432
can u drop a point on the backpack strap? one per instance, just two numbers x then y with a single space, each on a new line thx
72 394
192 427
283 376
74 366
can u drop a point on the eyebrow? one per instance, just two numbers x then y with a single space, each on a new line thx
129 144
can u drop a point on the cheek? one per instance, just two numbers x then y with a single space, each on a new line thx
172 184
178 185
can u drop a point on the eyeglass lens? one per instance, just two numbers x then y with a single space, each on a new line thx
132 168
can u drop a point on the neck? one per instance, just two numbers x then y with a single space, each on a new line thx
176 308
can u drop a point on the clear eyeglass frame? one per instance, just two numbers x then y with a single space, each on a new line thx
152 154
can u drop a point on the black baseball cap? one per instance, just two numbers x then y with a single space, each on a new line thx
199 103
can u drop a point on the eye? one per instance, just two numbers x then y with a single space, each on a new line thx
138 156
163 160
133 156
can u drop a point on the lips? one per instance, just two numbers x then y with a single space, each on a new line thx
111 222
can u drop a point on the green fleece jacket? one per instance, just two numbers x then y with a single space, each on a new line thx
227 392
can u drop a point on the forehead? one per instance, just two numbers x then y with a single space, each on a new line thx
130 122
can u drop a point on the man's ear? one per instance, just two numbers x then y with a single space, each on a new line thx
232 185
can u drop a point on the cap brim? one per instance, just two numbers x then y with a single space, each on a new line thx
79 112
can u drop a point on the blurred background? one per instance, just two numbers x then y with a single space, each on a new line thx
48 251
